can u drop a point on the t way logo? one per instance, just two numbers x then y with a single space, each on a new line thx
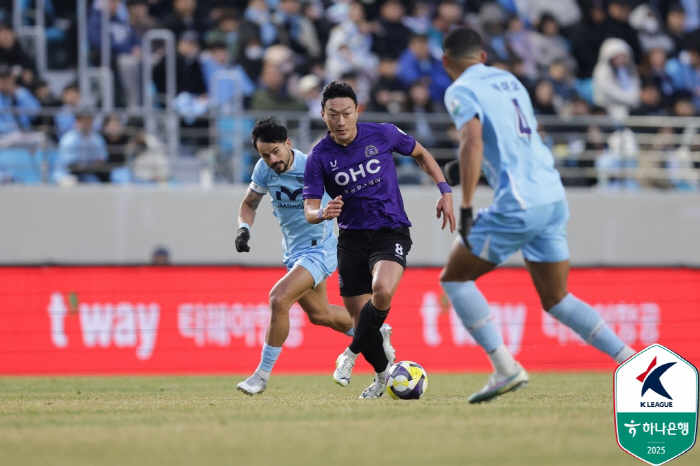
652 381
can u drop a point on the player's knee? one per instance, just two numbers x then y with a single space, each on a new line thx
381 296
552 298
279 304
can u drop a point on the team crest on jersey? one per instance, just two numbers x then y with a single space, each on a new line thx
371 151
454 107
300 178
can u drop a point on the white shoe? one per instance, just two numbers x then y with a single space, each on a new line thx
389 350
343 369
500 384
253 385
377 389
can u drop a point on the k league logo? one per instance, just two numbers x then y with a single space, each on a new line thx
656 405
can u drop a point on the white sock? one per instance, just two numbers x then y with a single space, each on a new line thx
350 354
624 354
502 361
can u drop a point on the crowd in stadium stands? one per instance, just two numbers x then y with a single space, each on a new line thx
576 57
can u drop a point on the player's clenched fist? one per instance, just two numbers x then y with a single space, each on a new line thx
242 240
333 208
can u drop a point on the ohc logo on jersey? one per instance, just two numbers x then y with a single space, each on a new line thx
372 166
656 405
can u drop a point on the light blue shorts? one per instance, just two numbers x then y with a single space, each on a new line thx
320 262
539 231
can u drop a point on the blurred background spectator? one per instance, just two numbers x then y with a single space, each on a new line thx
577 58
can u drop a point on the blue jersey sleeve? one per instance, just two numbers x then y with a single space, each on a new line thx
259 179
400 142
313 178
462 106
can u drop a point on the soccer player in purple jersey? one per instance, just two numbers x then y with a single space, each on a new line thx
355 165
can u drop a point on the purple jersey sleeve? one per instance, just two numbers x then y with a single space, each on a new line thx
313 178
400 142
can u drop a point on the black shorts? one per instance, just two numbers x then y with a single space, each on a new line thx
359 250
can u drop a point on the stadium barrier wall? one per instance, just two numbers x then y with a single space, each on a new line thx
212 320
123 225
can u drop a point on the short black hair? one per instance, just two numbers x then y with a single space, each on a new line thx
336 89
268 130
462 42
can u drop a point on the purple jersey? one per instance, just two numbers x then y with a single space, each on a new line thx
364 174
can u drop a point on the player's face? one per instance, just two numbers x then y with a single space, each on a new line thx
340 115
277 155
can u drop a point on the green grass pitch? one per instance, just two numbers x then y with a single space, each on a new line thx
559 419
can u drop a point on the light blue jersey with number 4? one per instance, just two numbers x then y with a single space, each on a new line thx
517 164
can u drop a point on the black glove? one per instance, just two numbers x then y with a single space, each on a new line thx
466 219
242 240
452 173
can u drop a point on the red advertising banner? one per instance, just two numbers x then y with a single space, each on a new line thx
167 320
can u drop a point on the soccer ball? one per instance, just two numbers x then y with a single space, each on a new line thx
406 380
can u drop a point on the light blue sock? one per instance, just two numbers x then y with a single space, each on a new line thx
587 323
351 332
472 308
269 357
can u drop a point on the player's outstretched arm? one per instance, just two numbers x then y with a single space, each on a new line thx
246 217
444 205
471 152
315 214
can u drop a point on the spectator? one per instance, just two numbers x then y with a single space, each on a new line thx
549 45
618 26
11 52
65 117
420 106
675 26
183 18
250 57
16 128
313 11
685 69
226 31
147 153
650 101
418 20
449 15
139 18
391 36
188 70
116 138
562 81
257 24
273 94
161 256
616 84
586 38
350 46
653 69
492 20
520 42
543 100
617 166
42 93
309 90
216 59
649 30
125 49
416 64
82 153
565 12
299 33
388 93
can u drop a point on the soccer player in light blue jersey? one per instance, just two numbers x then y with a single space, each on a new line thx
498 134
309 250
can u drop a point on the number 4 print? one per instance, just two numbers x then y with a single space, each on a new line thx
521 125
